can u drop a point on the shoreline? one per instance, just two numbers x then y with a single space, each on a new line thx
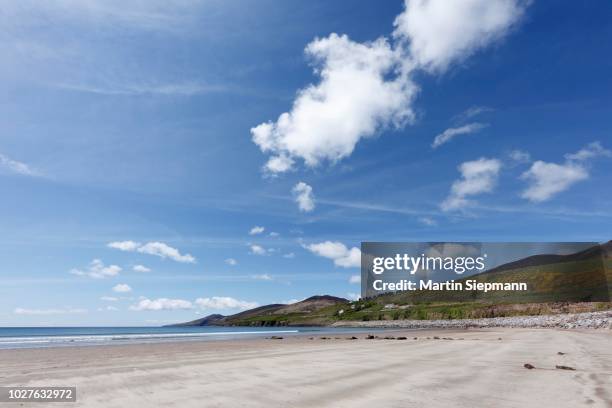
441 368
590 320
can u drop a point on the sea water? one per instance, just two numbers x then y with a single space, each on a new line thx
32 337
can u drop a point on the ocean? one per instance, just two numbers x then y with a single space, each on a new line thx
34 337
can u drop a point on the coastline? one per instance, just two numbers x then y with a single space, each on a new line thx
478 367
589 320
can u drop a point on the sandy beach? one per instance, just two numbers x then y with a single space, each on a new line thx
477 368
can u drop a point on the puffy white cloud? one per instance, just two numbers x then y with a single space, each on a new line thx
23 311
366 87
451 133
223 302
359 93
141 268
303 196
592 150
17 167
256 230
258 250
548 179
289 255
145 304
477 177
97 270
109 298
231 261
338 252
441 32
355 279
153 248
124 245
122 288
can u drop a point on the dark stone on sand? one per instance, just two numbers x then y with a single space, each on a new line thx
402 338
436 338
389 338
528 366
562 367
351 338
276 338
560 353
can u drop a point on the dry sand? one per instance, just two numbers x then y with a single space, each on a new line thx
479 371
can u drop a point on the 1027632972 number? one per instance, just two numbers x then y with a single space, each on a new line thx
56 394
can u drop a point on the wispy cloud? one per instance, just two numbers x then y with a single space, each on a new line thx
24 311
97 270
451 133
256 230
131 89
122 288
224 302
17 167
159 249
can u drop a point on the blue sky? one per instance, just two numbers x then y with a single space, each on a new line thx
132 124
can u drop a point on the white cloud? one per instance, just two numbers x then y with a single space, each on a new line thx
258 250
17 167
141 268
165 251
274 234
355 279
430 222
290 301
473 111
451 133
353 296
231 261
161 304
548 179
263 276
122 288
338 252
289 255
22 311
256 230
153 248
477 177
108 309
303 196
222 302
366 87
124 245
441 32
97 270
519 156
592 150
109 298
359 93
